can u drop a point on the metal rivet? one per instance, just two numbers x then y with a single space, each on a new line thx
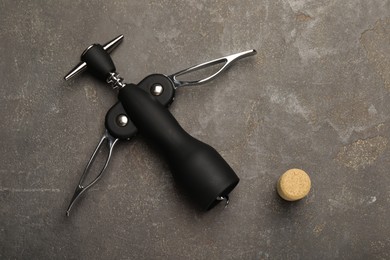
156 90
122 120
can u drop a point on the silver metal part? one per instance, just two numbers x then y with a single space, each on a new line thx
109 46
115 81
122 120
228 60
80 189
221 198
76 70
156 90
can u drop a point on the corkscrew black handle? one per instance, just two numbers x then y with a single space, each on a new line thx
197 167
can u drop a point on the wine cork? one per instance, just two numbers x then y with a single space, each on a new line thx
294 184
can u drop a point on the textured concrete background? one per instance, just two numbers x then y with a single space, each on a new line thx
316 97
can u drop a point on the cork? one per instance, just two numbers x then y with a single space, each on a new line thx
294 185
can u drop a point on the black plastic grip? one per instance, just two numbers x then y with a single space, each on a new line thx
196 166
99 62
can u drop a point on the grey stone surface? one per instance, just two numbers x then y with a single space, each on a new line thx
315 97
